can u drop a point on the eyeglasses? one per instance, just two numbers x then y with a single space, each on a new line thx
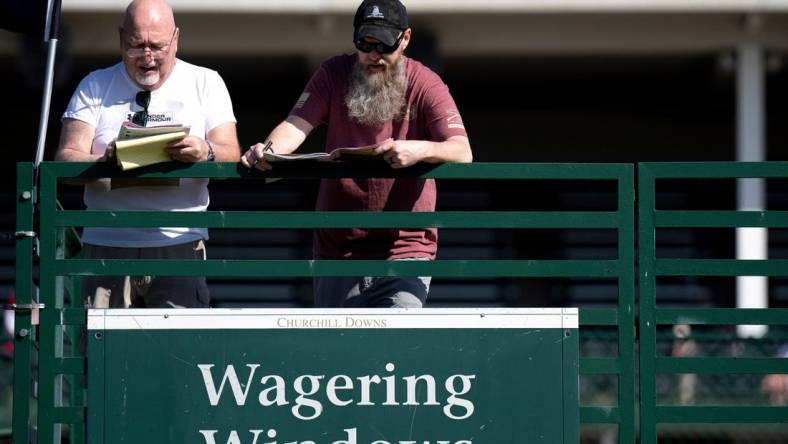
380 47
156 51
141 117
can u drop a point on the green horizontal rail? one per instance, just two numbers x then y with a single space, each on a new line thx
721 267
721 414
291 268
715 365
722 316
308 170
600 415
717 219
715 170
599 316
339 219
600 366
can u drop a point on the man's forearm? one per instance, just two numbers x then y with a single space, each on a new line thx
453 150
72 155
289 135
224 141
76 140
226 152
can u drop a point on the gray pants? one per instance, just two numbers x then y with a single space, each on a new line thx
145 291
372 291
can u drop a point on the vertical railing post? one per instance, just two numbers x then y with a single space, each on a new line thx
23 328
626 302
50 387
647 300
76 381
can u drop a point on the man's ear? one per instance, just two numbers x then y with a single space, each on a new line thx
406 38
174 45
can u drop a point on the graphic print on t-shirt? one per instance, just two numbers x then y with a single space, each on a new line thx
454 119
301 100
158 114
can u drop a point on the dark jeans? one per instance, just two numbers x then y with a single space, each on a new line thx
145 291
372 291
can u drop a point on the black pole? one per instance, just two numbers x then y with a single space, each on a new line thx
51 32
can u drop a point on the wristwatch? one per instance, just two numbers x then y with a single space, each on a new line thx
211 154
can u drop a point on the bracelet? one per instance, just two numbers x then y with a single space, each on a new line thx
211 154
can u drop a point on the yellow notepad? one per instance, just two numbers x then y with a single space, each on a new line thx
138 146
134 153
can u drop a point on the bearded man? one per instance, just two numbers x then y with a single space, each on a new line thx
376 96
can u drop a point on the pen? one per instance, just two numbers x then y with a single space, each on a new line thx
266 149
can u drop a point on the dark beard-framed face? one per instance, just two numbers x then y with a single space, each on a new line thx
376 97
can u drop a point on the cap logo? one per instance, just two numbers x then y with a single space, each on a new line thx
376 14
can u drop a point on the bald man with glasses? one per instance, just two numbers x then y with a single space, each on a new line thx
149 87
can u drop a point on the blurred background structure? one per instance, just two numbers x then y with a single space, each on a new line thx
535 81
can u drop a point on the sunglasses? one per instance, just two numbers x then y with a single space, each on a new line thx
141 117
380 47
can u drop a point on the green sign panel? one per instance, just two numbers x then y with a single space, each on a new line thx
251 376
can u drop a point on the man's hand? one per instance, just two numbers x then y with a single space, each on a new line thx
284 139
404 153
109 153
189 149
254 158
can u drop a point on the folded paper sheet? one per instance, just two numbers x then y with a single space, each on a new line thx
337 154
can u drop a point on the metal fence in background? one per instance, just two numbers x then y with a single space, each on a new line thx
654 364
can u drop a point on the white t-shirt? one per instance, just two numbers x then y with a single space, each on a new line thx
192 96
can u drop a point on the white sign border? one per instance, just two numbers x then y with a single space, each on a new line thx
336 318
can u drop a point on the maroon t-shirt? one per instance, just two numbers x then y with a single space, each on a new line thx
431 115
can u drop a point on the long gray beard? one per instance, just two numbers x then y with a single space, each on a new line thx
378 98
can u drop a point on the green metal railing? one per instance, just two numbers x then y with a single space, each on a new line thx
651 267
58 363
23 325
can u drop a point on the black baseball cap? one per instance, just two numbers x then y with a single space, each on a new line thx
383 20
